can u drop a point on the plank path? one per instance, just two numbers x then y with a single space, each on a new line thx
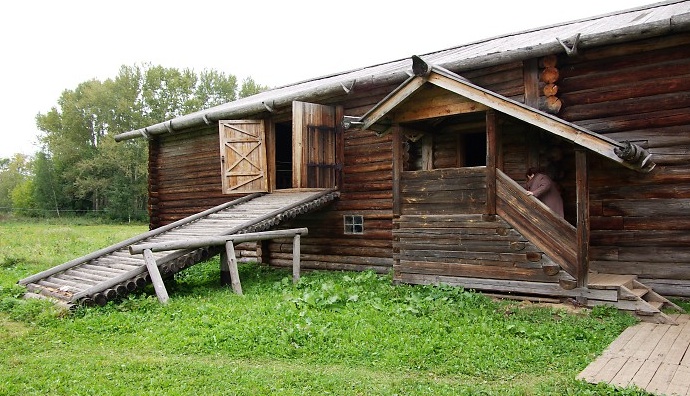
653 357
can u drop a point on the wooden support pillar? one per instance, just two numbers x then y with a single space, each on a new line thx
428 152
582 193
228 264
491 155
296 258
156 278
397 168
530 74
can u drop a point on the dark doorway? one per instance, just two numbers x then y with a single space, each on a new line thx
283 152
475 149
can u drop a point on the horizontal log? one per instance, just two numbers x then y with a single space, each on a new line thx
674 271
505 258
322 265
215 241
275 257
679 288
437 208
653 255
508 286
647 207
625 107
337 250
669 223
449 221
371 204
473 271
652 118
413 187
599 58
438 174
341 240
460 197
367 186
640 238
650 138
365 195
667 84
445 244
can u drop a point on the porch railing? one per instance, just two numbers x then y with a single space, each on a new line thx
536 222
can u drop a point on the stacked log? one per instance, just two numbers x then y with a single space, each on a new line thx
548 77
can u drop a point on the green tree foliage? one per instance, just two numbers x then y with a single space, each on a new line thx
46 187
13 172
83 168
250 87
23 198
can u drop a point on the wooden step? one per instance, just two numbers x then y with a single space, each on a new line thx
625 293
610 281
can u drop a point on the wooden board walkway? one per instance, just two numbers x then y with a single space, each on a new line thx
653 357
113 272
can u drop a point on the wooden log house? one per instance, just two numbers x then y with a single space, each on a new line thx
429 156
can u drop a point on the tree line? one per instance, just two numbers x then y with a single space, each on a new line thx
79 167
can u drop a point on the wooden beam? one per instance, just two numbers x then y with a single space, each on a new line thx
427 152
491 156
397 169
196 243
416 113
582 193
339 146
231 263
399 95
598 143
156 278
531 81
296 252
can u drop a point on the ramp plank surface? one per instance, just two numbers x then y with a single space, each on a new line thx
111 272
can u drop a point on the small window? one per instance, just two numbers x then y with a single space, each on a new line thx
354 224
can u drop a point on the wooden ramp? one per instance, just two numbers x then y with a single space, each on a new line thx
654 357
113 272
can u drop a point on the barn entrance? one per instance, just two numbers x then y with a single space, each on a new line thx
283 155
264 155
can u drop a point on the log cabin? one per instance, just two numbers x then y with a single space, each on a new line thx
428 157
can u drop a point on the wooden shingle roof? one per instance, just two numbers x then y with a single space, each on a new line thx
633 24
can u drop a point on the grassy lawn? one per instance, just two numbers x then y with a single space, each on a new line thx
334 333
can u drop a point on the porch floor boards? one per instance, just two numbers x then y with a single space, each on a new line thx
653 357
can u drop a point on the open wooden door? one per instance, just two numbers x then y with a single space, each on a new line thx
243 156
317 150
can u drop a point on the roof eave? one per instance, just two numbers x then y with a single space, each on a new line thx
320 88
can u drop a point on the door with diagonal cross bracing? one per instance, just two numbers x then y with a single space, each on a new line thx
243 156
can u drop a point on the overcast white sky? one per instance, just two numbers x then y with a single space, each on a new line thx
50 46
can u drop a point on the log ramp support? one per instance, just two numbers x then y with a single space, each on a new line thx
228 258
112 272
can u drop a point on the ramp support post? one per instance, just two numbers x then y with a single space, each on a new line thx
156 278
295 258
228 265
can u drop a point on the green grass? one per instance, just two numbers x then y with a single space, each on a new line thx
334 333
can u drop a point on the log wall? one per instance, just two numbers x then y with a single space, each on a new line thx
443 191
184 175
465 246
367 191
638 91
